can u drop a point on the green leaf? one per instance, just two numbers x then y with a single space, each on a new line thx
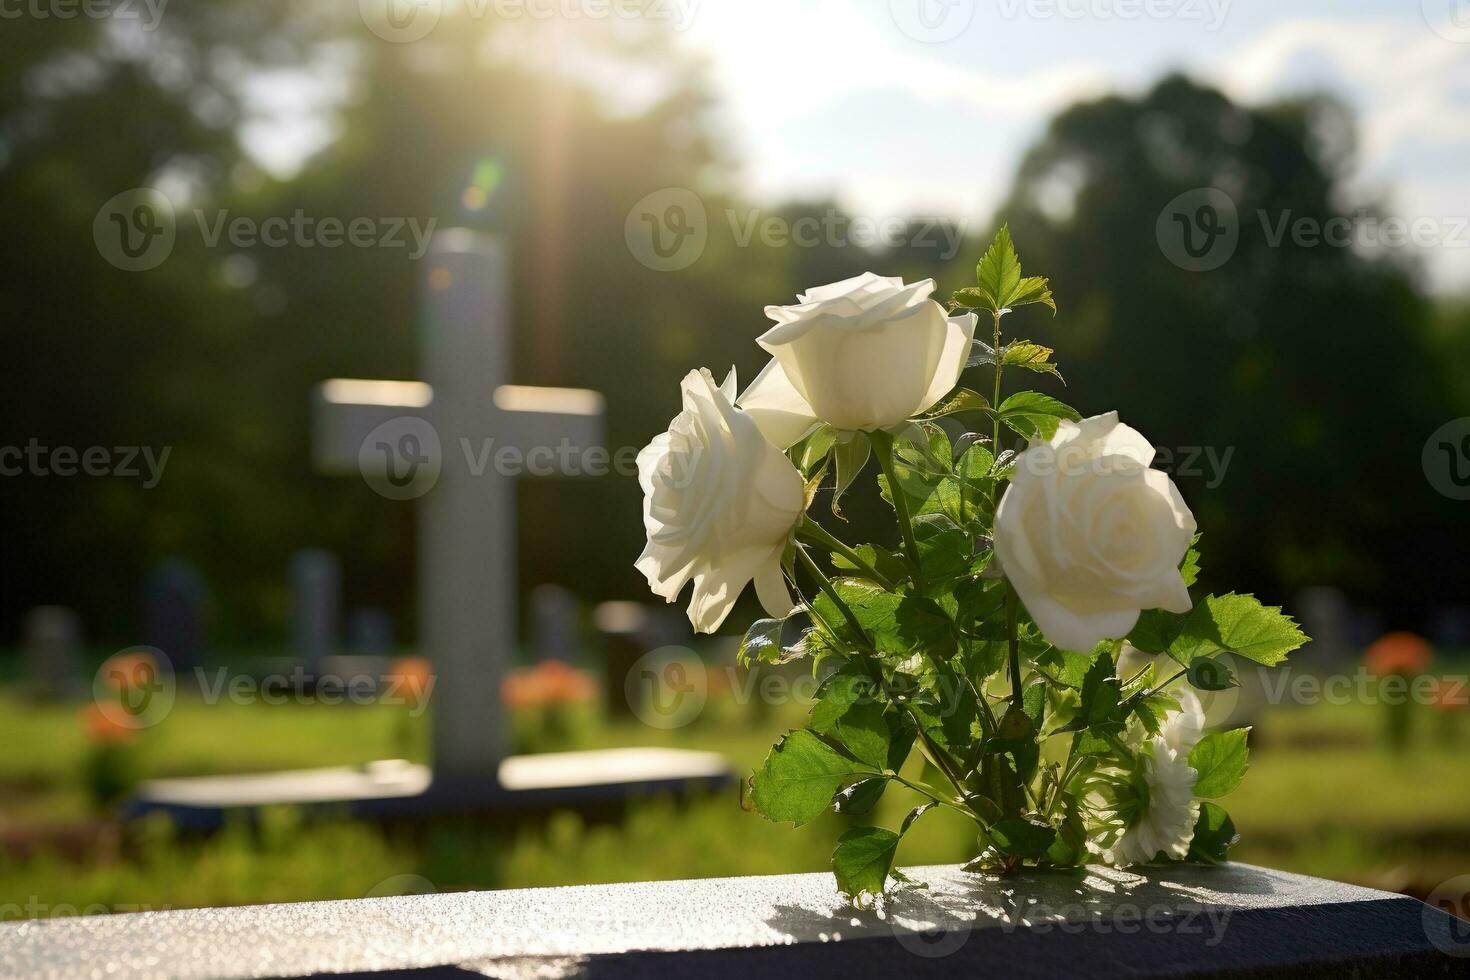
1024 837
1189 567
890 564
861 796
800 776
1032 414
864 732
999 271
1032 289
1100 692
1220 761
852 455
1067 667
1236 624
999 285
1214 834
843 688
963 400
1032 357
862 860
812 451
762 642
1211 674
1155 630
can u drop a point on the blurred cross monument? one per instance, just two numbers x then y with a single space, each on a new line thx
455 444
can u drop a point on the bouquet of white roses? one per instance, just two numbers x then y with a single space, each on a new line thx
989 638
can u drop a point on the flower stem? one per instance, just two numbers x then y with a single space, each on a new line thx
883 447
814 533
1015 648
995 403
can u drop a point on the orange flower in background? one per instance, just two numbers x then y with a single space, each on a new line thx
1400 652
548 683
1451 694
413 678
103 728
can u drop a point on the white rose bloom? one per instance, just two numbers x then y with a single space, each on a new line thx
1170 812
719 506
1089 536
861 354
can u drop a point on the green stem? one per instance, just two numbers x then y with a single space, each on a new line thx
1015 648
923 790
814 533
883 448
995 402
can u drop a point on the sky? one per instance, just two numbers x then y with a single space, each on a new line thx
897 107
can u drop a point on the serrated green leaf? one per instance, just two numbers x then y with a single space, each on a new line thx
886 562
1237 624
800 776
1189 567
1032 414
1032 357
1219 761
762 643
1100 692
963 400
973 298
1067 667
844 687
999 272
864 732
1033 289
862 860
1214 835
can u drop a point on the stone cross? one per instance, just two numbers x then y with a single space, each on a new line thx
456 442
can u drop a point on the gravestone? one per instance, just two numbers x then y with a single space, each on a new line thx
623 627
441 443
1233 920
370 631
51 645
173 613
554 623
316 602
1328 619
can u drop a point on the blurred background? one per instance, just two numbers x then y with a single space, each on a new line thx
1255 220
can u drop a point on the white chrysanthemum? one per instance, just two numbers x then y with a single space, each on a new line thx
1167 815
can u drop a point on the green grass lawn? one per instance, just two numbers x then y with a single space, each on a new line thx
1321 798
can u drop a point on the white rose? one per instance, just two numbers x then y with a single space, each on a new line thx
1168 812
719 506
866 353
1089 536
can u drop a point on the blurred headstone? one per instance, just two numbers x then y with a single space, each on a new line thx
51 647
316 602
624 630
554 623
369 630
1328 619
1449 627
173 612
